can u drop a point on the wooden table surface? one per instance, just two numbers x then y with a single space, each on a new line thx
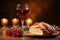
30 38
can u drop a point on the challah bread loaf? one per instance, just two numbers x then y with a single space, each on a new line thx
41 28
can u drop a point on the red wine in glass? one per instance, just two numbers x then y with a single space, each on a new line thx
22 13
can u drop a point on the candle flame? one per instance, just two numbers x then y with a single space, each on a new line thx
15 21
29 21
4 21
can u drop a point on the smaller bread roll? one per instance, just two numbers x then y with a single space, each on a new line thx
35 31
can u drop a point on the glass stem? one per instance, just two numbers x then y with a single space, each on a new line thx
22 23
28 25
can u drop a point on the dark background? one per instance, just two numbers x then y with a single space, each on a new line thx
50 14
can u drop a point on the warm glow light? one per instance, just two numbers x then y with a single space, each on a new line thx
15 21
4 21
29 21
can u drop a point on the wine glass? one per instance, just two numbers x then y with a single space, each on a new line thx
22 11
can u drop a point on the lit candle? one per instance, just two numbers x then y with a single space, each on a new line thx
4 21
15 21
29 21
